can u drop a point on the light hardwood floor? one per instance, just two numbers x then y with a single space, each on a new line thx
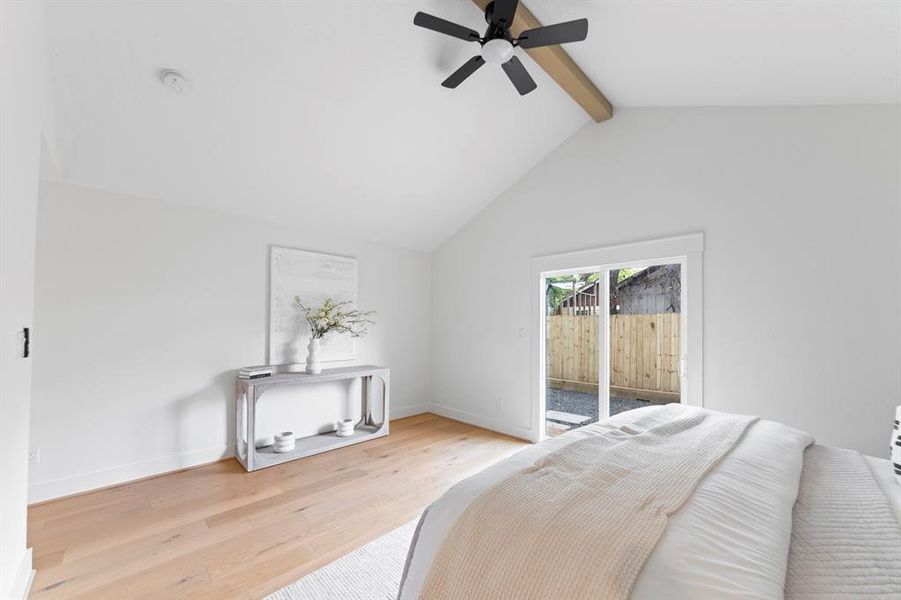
218 532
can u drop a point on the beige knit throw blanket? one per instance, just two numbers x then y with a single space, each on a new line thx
582 521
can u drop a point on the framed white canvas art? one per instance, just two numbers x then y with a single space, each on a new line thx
313 277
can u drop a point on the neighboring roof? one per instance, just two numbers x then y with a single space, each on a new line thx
634 278
641 275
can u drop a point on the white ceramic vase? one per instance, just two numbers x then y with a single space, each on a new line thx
314 366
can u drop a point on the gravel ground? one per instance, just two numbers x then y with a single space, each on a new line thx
587 404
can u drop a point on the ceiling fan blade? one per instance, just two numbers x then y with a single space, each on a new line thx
503 12
468 68
561 33
446 27
517 73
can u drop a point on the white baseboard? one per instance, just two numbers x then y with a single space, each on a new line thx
21 585
523 433
83 482
399 412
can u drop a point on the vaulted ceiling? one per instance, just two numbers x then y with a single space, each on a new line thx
329 114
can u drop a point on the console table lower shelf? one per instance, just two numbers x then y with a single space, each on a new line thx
248 392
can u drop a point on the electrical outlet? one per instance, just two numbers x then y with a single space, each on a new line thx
498 403
34 456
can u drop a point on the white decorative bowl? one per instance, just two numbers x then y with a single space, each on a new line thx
345 428
284 442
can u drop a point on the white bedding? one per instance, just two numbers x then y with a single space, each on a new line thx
730 540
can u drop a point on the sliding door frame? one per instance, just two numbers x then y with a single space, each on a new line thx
685 250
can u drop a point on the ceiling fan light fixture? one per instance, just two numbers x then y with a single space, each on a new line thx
497 51
497 44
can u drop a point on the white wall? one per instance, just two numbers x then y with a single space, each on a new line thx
24 113
800 211
144 310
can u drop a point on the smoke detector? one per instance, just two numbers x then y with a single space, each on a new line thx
174 80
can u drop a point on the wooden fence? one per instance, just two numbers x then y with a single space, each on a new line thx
644 353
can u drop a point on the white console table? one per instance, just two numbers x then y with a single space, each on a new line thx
248 394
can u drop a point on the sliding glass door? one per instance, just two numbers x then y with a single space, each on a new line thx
644 333
613 341
574 309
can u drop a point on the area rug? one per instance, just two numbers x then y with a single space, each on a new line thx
371 572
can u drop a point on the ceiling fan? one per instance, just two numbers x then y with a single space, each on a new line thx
498 43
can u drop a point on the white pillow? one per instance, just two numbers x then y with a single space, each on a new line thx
895 454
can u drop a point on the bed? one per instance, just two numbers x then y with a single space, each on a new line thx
773 515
